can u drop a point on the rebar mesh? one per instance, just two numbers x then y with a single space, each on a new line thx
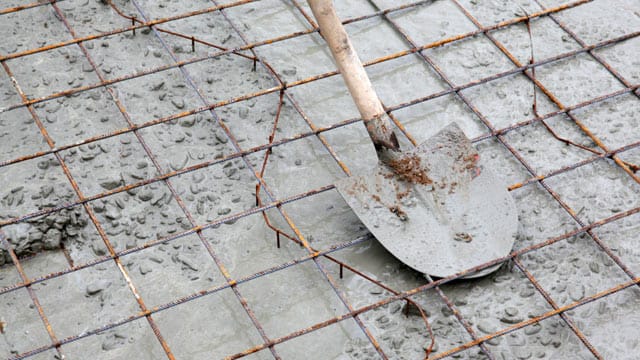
230 163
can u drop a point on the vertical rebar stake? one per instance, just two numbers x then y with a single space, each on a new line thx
133 23
278 239
193 44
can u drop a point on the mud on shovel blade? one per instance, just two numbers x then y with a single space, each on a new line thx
436 207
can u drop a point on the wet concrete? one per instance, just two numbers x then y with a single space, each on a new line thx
217 325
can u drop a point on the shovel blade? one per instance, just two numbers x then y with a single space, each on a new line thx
437 207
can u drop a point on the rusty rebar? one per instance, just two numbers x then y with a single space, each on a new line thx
32 5
422 288
402 295
251 46
277 79
315 131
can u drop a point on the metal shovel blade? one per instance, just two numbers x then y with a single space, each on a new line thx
437 207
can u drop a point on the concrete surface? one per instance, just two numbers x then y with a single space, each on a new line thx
216 325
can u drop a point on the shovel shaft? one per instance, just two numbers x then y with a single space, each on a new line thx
369 105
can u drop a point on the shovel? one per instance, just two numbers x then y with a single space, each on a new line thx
436 207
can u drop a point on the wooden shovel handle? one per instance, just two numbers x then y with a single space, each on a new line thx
371 110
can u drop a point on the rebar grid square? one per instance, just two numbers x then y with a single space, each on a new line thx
585 271
185 142
508 100
506 166
138 216
20 134
117 161
299 57
298 167
621 237
345 338
620 55
549 40
503 298
268 19
603 20
219 317
123 54
432 21
209 29
325 220
24 329
424 120
396 325
363 34
165 9
8 94
234 191
495 12
119 342
476 55
100 295
602 320
53 71
283 303
18 28
79 116
189 141
10 275
47 188
550 338
389 77
584 189
546 153
90 17
255 118
582 78
155 96
66 236
185 259
540 215
616 121
246 246
352 146
216 77
329 103
352 9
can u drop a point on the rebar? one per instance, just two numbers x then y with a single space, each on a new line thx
266 198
